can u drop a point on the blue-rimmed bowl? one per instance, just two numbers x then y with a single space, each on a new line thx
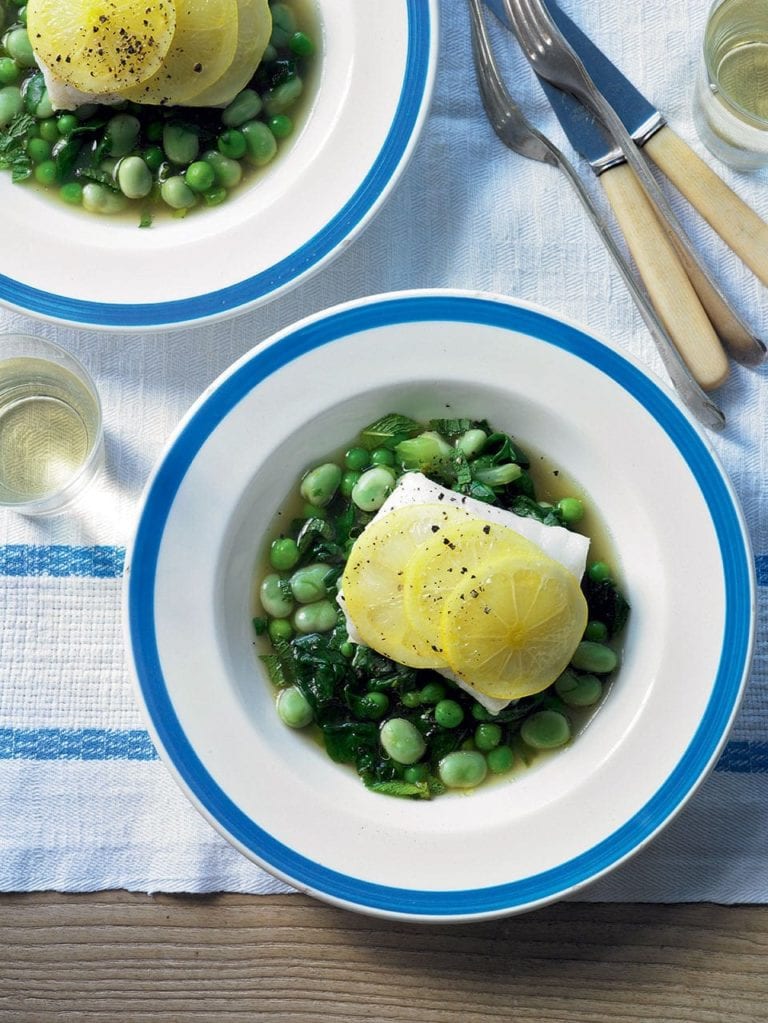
369 99
673 521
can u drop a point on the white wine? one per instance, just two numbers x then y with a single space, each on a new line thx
732 98
49 423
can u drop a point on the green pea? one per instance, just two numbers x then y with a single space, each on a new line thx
301 44
357 458
177 194
487 737
280 629
599 571
72 193
416 773
46 174
293 708
49 130
411 700
320 484
594 657
402 741
244 107
227 172
462 769
232 144
479 713
134 177
546 729
596 632
432 692
153 158
122 131
283 554
66 124
321 616
275 597
308 583
38 150
98 199
18 46
10 72
283 96
347 649
579 690
448 714
11 104
200 176
571 509
181 144
373 488
382 456
280 125
311 511
500 760
260 141
374 706
471 443
44 108
348 481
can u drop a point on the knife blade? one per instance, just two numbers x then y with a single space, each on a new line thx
738 225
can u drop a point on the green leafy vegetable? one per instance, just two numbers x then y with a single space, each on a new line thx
389 431
13 151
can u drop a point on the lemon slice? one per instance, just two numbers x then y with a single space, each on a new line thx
101 46
511 631
254 31
372 583
203 48
449 559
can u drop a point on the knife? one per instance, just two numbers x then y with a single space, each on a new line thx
692 308
737 224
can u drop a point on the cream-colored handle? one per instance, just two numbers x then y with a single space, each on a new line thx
736 223
668 286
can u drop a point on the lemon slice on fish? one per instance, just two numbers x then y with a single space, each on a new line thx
203 48
255 29
101 46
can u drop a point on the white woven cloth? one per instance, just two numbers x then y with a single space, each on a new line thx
84 802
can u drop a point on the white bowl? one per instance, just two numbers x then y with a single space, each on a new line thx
674 522
375 78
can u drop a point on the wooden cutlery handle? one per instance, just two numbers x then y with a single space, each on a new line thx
667 283
738 225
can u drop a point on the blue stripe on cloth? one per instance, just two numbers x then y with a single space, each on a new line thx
135 744
97 562
103 562
76 744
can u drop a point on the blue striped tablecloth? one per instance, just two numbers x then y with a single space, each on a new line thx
84 802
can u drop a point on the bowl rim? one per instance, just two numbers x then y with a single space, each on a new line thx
346 223
345 321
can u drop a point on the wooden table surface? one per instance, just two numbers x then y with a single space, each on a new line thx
234 959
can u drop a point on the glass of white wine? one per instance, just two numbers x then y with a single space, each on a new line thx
731 98
51 433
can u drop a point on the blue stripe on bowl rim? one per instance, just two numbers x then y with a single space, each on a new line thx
419 71
550 884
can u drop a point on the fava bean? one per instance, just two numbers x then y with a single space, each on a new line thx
402 741
283 24
471 443
134 177
181 144
596 658
579 690
321 616
177 194
227 172
308 583
320 484
260 141
11 104
123 133
546 729
18 47
283 96
244 107
275 597
293 708
98 199
462 769
373 488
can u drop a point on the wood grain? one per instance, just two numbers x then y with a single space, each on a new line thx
284 959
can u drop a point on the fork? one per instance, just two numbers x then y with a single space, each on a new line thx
554 60
516 132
